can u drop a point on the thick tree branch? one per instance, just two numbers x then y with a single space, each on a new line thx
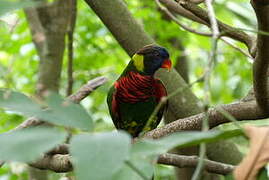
225 29
48 25
181 161
176 8
174 18
62 163
70 34
57 163
61 149
261 63
240 110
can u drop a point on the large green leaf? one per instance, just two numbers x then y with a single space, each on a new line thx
58 111
145 151
148 147
28 144
136 169
18 102
8 5
99 156
66 113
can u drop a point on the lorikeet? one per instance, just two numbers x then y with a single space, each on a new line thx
136 93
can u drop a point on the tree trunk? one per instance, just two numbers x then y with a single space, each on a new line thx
131 36
48 25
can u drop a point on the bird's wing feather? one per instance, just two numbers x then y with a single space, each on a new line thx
113 106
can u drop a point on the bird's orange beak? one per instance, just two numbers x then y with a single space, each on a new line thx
167 64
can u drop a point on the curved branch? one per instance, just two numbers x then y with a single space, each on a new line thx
261 63
181 161
174 18
200 13
57 163
62 163
175 7
240 111
87 89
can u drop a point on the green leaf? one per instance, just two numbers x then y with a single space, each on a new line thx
145 169
7 6
18 102
28 144
149 147
99 156
233 126
126 173
146 151
59 111
66 113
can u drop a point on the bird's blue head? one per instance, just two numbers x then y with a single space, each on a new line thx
150 58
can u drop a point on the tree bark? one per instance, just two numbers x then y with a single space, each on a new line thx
131 36
48 25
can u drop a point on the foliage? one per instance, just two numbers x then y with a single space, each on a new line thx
90 151
98 53
30 146
7 6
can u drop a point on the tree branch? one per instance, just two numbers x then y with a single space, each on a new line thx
200 13
181 161
240 110
261 63
87 89
61 149
62 163
70 35
174 18
83 92
175 7
57 163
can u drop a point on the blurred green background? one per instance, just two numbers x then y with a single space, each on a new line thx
97 53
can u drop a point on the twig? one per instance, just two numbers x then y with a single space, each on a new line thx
225 30
171 16
205 125
87 89
165 99
187 28
130 164
237 48
173 6
261 63
182 161
212 19
229 117
70 35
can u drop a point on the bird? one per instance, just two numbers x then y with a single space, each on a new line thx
136 93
